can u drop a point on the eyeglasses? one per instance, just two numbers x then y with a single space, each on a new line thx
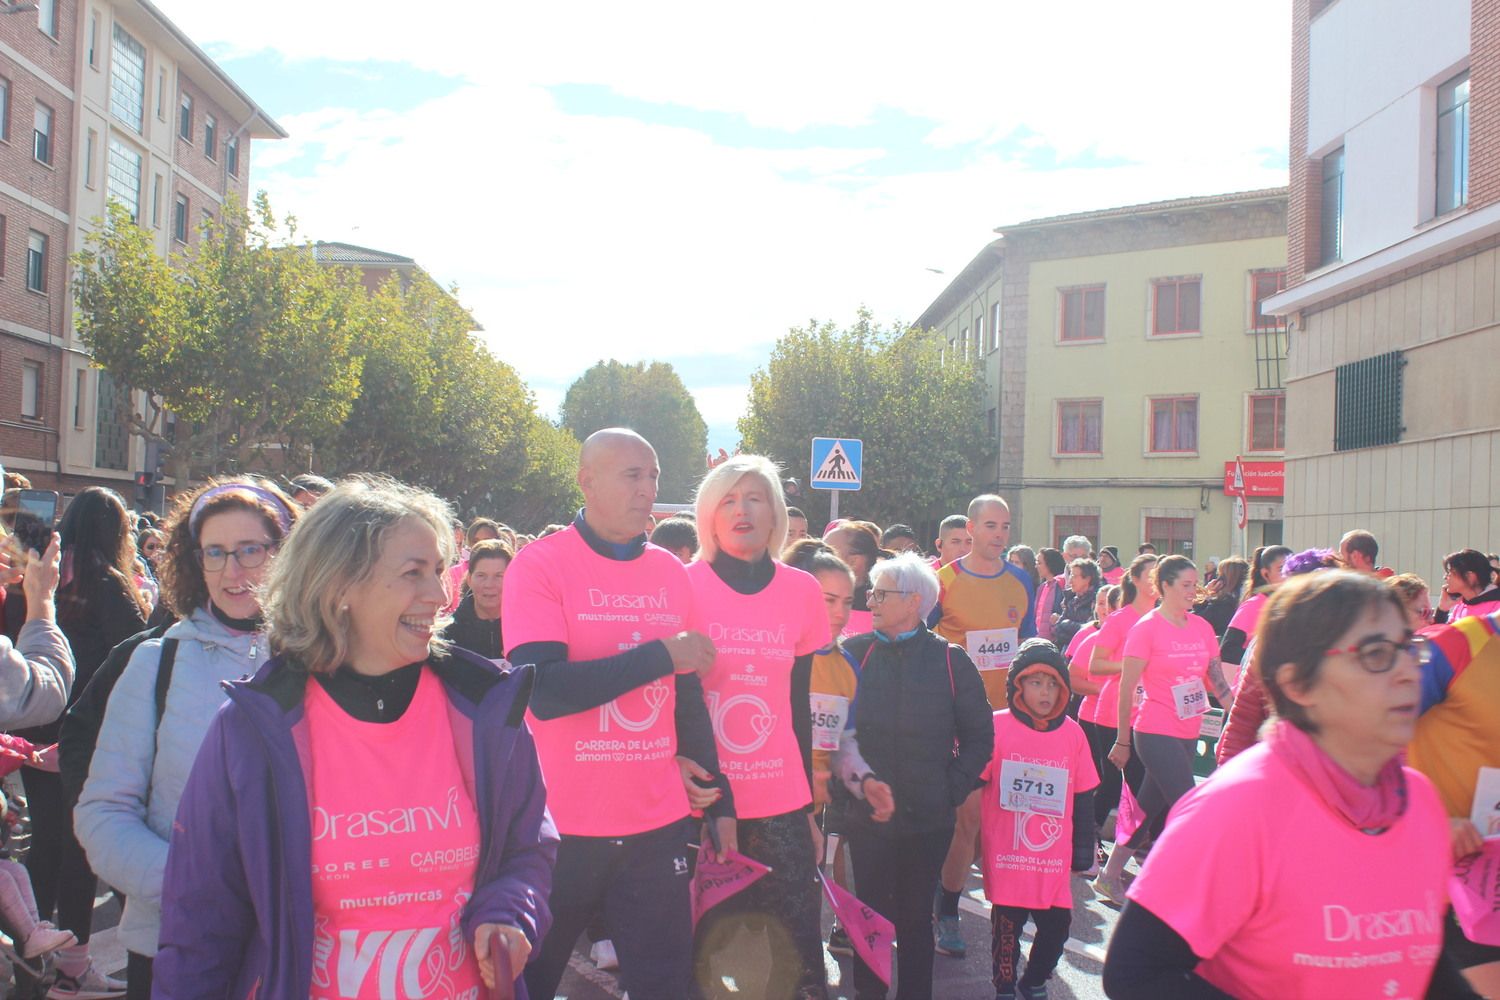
216 557
1428 614
879 596
1377 656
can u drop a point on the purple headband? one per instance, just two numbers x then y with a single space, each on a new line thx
283 513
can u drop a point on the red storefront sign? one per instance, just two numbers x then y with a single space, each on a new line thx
1262 479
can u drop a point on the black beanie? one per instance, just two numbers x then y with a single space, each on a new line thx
1038 654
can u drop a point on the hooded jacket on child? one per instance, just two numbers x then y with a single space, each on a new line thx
1041 656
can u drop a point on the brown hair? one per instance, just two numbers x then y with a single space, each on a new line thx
182 583
1169 568
490 548
1139 567
1231 578
1409 585
1304 616
479 524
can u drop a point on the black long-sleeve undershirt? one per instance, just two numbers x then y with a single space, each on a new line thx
1148 959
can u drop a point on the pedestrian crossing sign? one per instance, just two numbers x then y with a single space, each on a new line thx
837 463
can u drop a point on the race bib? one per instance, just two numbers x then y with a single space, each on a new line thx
992 648
1486 811
1033 788
1190 698
828 714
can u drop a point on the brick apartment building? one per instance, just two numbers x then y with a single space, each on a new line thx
1393 413
1128 361
99 101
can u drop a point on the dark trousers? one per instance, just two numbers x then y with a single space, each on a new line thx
1046 948
1107 795
641 885
137 976
896 877
60 874
786 902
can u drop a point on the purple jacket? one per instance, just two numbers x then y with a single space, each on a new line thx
237 908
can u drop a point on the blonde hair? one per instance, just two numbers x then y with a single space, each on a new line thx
334 546
723 478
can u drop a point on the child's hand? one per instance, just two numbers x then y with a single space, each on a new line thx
45 759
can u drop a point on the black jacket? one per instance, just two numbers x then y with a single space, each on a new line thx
908 714
1077 610
470 632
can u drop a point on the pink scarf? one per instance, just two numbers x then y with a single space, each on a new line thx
1370 808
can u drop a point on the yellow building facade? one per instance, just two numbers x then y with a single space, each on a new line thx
1131 364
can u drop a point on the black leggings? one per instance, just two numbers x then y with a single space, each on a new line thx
1107 795
138 976
60 872
1052 926
787 903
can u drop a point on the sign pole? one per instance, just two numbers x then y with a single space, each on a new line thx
833 505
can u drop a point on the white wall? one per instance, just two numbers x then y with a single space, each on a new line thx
1367 53
1374 66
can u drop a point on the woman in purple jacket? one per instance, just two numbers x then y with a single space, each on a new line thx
366 816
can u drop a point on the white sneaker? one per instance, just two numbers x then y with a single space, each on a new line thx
45 938
1109 889
602 954
91 985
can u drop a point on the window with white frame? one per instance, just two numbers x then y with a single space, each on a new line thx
180 219
127 80
125 177
1331 220
1453 144
232 156
46 16
31 390
210 137
41 134
995 327
36 261
89 145
185 117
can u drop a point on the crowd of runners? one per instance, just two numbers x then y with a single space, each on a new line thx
326 741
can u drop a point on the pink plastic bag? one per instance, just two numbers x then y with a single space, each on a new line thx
872 935
1129 817
1474 888
714 881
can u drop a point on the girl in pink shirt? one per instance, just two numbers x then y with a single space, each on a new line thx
1137 596
1314 864
1080 653
1174 655
1035 808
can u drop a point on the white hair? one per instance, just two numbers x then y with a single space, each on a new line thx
1077 542
911 573
724 477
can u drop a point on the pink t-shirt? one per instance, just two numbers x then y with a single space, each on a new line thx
1114 576
749 690
395 847
1027 854
1282 897
1110 645
1176 673
1079 651
859 623
1247 616
1460 610
610 771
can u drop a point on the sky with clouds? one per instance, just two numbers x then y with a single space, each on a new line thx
686 181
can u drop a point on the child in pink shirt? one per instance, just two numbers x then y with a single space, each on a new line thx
1041 776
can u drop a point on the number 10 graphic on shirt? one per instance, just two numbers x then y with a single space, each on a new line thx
746 715
655 696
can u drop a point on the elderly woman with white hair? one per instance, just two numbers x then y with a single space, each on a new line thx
919 698
766 620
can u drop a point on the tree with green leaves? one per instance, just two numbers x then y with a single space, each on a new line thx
248 344
926 452
651 400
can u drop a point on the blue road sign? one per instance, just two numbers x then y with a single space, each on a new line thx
837 463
